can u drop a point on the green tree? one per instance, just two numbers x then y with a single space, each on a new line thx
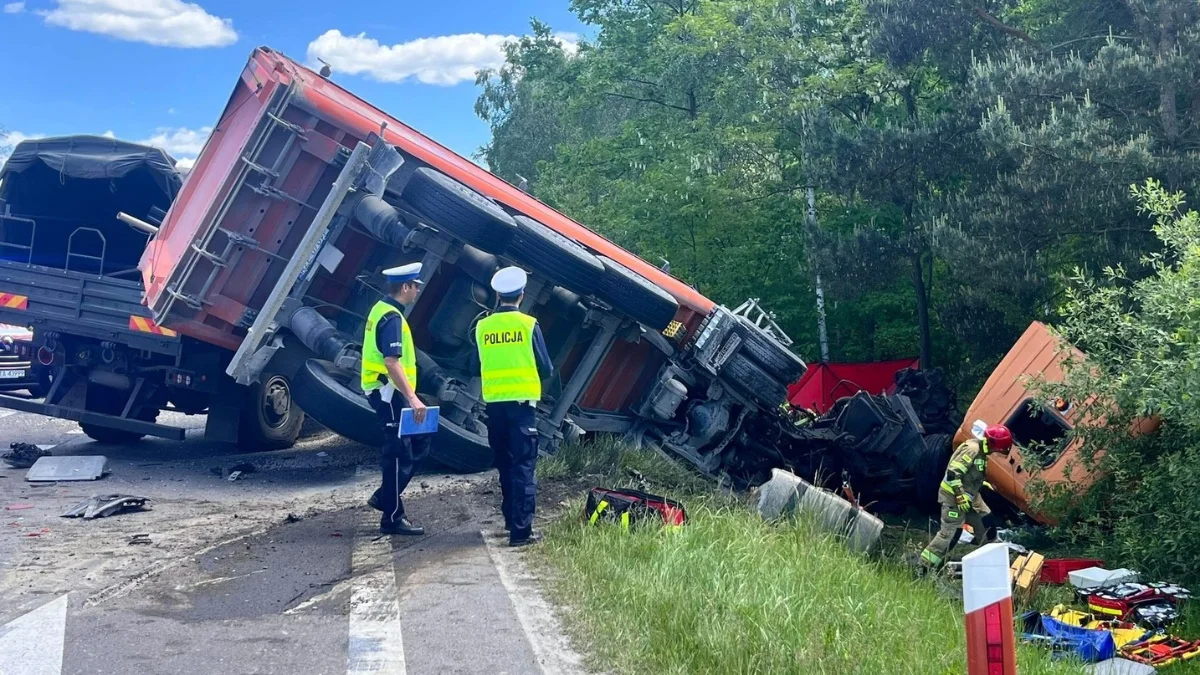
1142 341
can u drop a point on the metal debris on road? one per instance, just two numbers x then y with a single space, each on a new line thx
38 533
139 539
23 455
100 506
293 518
235 475
80 467
18 507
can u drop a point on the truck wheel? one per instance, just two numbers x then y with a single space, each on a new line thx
750 379
270 418
777 359
563 260
321 393
931 467
459 210
460 449
111 402
635 296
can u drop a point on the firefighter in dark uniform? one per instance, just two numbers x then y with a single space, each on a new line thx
389 378
513 361
959 494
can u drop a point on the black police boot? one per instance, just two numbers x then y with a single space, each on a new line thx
531 538
373 502
402 527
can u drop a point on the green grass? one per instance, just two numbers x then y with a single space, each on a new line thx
731 594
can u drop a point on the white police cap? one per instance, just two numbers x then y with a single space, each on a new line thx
509 281
404 273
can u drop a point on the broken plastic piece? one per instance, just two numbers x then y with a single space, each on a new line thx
68 468
100 506
23 455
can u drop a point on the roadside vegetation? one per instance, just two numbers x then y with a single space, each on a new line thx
729 593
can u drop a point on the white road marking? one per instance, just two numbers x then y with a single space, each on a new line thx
376 644
542 628
33 644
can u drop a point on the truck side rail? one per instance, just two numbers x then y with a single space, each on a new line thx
87 305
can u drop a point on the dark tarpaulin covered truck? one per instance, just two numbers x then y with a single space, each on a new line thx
68 270
304 193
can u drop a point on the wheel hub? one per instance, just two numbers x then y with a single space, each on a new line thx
277 401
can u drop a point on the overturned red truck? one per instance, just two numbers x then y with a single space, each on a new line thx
271 254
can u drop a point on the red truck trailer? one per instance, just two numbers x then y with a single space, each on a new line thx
304 193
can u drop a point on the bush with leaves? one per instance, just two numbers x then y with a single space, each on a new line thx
1142 341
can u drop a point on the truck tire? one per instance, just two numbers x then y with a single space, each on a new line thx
460 449
777 359
563 260
459 210
751 380
931 467
270 418
111 402
324 397
635 296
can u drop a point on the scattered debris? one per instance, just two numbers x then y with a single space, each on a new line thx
424 485
140 539
23 455
100 506
79 467
18 507
1056 571
1027 574
38 533
322 454
786 495
1119 666
293 518
1098 577
234 475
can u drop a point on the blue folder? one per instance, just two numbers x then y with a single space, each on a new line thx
409 427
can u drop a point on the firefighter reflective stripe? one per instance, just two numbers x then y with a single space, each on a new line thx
373 365
14 301
144 325
596 514
507 363
625 520
951 487
930 557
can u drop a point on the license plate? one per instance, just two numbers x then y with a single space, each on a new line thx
10 374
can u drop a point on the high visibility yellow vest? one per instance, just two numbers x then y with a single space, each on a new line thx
506 358
372 359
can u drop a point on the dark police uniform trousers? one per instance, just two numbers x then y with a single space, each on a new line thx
512 434
399 457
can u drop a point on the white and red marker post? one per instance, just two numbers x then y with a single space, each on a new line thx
987 601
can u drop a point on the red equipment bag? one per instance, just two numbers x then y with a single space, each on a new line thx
631 508
1057 571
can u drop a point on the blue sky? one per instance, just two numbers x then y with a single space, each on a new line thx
160 70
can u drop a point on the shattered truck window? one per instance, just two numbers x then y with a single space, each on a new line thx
1040 433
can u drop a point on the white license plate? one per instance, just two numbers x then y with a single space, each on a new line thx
10 374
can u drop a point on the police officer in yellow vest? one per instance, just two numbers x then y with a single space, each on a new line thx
513 361
389 378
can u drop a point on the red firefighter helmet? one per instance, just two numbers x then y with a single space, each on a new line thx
998 438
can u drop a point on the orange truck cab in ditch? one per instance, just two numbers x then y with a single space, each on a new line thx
1040 430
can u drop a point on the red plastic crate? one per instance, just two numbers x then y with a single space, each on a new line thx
1056 571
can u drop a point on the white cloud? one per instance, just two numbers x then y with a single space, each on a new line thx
170 111
14 8
163 23
444 60
179 142
184 165
109 134
10 140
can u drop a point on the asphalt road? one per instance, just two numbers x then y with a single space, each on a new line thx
228 583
